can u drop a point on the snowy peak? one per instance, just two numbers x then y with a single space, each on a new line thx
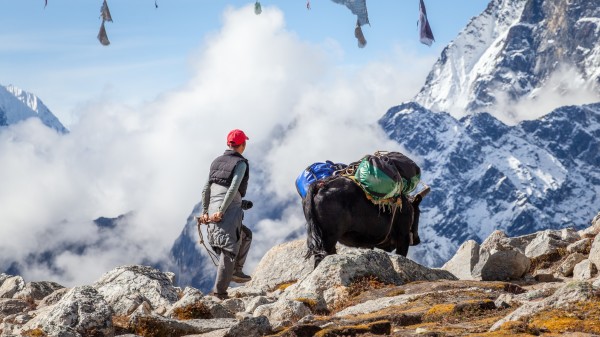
487 175
517 49
17 105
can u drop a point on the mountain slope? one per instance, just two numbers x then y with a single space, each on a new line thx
486 175
512 51
17 105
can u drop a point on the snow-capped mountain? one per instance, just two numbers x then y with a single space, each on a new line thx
486 175
17 105
512 51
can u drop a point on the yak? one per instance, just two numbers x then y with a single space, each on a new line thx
337 210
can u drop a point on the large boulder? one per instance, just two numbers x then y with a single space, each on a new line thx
547 243
127 287
462 263
282 263
499 261
82 309
327 284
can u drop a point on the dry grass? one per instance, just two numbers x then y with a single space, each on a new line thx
193 311
284 285
34 333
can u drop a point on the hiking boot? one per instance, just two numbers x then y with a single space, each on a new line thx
240 277
221 296
419 196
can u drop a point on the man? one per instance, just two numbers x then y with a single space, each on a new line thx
223 212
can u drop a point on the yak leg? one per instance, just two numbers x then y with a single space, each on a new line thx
329 243
414 229
403 221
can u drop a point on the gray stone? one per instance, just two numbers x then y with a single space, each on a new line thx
594 256
82 310
593 230
569 293
282 313
124 288
234 305
462 263
580 246
53 298
9 306
245 291
170 327
545 243
569 235
567 266
410 271
34 291
501 265
256 302
193 303
376 305
584 270
281 264
326 285
10 286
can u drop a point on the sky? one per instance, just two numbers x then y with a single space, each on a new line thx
53 51
148 113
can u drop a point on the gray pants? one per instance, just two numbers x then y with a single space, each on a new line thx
230 264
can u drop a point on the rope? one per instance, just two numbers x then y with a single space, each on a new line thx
213 256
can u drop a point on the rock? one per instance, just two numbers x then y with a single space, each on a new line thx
582 246
11 285
281 264
569 235
545 243
326 285
596 284
82 309
234 305
282 313
256 302
245 291
567 266
124 288
569 293
376 305
33 291
157 326
584 270
462 263
499 261
594 256
593 230
252 327
545 278
53 298
195 305
410 271
9 306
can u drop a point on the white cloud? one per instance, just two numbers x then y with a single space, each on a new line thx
566 86
153 159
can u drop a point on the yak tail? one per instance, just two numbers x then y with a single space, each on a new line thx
314 233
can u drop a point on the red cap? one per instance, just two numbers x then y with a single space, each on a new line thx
236 137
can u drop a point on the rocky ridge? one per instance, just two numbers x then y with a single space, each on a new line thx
545 282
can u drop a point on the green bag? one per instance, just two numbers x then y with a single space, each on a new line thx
387 175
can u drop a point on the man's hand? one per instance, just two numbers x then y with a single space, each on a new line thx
203 219
216 217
